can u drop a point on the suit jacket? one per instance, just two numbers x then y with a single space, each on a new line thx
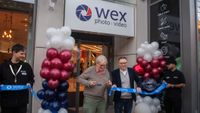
117 81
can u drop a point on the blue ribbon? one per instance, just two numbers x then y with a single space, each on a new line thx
14 87
131 90
17 88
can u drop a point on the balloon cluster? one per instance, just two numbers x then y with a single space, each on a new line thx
150 63
56 69
147 105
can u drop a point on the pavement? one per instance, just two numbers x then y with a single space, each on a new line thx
110 109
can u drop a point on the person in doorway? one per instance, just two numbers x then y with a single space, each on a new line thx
124 77
15 72
96 80
175 82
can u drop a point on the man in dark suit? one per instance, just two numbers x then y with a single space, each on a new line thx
124 77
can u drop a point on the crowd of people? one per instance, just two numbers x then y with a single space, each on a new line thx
97 80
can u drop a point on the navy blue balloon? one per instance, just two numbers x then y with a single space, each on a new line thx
62 96
54 106
63 86
41 94
45 104
64 103
45 84
50 94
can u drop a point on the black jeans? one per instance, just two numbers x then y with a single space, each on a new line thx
123 105
172 104
18 109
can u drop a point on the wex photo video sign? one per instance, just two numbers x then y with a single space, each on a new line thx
100 17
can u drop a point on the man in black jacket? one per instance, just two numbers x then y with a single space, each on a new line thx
124 78
15 72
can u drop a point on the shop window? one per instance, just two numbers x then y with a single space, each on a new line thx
15 24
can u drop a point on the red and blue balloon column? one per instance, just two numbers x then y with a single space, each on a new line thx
55 70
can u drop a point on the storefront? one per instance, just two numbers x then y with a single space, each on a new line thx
16 26
174 24
90 40
26 22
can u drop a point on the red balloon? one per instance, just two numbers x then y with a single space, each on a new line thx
155 71
161 58
46 63
55 74
146 75
144 63
52 53
53 84
64 75
139 60
138 69
65 56
156 76
68 66
45 73
56 63
160 69
148 68
163 63
155 63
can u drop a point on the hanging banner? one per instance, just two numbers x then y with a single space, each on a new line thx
100 17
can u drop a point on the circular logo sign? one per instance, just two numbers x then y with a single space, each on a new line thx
83 12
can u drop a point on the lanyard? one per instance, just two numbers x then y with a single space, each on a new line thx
15 74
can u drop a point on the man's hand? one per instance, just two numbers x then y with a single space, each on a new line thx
109 83
170 85
114 85
92 83
138 90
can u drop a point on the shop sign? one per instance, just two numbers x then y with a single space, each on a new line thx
100 17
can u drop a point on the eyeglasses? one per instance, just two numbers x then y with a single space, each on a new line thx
102 65
122 62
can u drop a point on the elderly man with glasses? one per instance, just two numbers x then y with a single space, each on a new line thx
96 80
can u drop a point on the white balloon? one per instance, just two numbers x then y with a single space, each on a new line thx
153 109
159 108
68 44
147 100
148 57
142 108
156 54
62 110
146 42
51 32
149 48
140 52
156 101
71 38
143 45
66 30
48 44
47 111
56 42
40 110
155 45
139 99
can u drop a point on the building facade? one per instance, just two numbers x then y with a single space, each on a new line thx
51 13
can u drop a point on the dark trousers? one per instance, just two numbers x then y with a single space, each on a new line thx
123 106
19 109
172 104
